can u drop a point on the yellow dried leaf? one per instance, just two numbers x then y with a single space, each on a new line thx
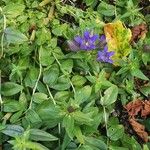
118 39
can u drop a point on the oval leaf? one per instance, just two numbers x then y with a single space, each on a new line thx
40 135
11 88
110 96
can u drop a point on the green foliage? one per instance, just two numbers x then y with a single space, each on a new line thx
55 98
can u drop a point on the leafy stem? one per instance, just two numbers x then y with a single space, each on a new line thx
64 72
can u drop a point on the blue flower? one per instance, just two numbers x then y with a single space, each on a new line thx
87 42
102 41
105 56
102 38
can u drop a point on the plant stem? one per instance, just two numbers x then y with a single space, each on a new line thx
35 87
50 94
105 118
54 102
64 71
106 126
44 2
1 101
3 34
74 91
6 117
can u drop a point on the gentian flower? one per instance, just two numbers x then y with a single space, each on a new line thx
102 41
87 42
102 38
105 56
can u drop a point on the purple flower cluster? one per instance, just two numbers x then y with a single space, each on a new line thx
90 41
105 56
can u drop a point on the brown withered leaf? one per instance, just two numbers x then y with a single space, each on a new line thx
146 108
134 107
138 107
139 129
138 31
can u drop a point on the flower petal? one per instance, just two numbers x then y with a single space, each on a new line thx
105 49
94 37
78 39
110 53
102 38
86 35
110 61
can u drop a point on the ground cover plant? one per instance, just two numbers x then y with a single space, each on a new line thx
74 75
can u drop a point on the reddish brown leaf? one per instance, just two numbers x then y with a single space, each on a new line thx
146 108
138 32
134 107
139 129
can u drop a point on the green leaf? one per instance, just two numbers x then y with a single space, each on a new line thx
87 147
66 141
82 118
110 96
145 147
23 101
145 90
68 123
83 94
53 42
39 97
31 77
43 36
106 9
49 113
63 83
92 79
40 135
45 56
145 58
50 75
62 95
57 31
115 132
101 81
14 36
2 126
117 148
14 118
13 130
89 2
138 73
147 124
95 67
11 106
11 88
78 134
33 117
13 10
20 143
97 143
78 80
130 142
67 65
